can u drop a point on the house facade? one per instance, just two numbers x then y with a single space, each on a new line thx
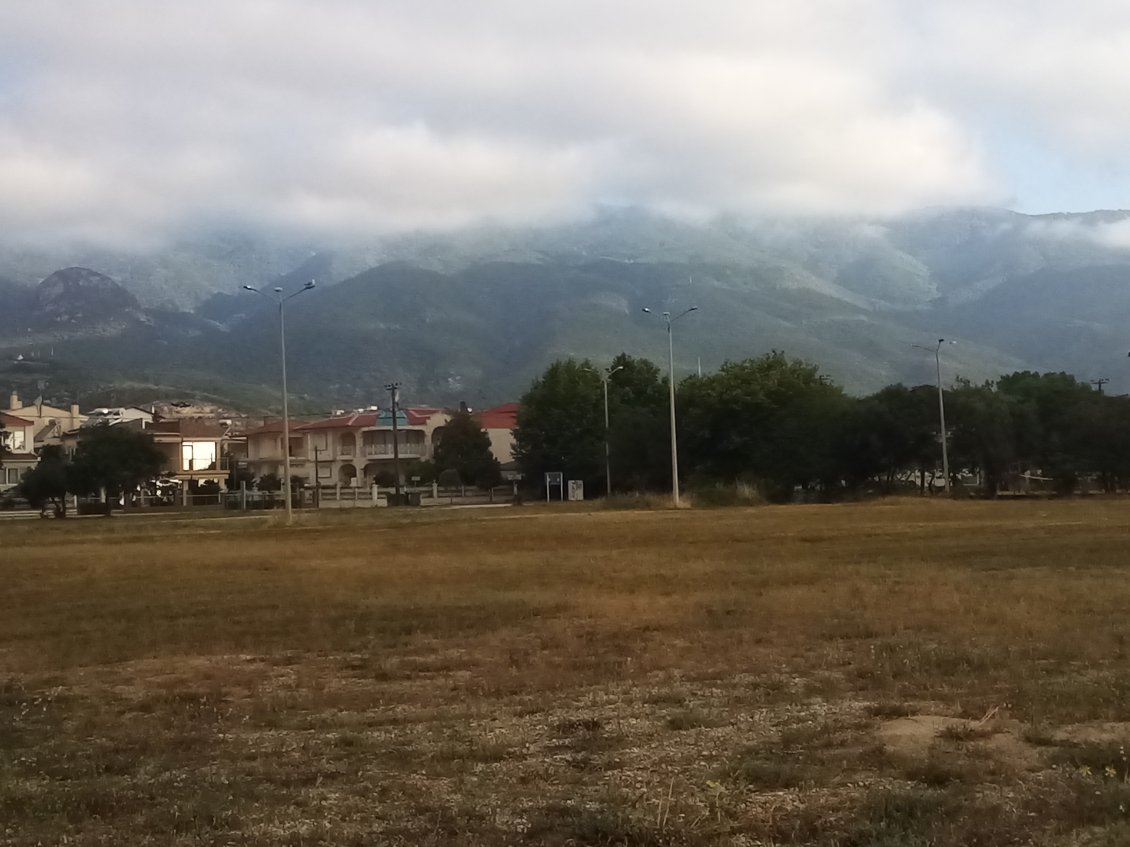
348 449
499 423
18 436
49 422
195 449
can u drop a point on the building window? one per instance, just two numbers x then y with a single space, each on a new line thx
198 455
14 440
14 475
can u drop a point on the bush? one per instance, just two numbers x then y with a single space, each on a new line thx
450 479
719 496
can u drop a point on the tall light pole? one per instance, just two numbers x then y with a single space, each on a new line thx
937 351
671 395
604 377
393 389
280 298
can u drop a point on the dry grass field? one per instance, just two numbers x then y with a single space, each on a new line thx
893 674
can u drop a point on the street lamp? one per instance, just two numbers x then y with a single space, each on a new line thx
278 296
393 389
941 405
604 377
671 394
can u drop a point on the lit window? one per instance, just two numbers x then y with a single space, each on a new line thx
198 455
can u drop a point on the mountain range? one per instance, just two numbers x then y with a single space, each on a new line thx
477 315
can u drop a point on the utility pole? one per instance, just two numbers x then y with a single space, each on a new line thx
393 389
1100 382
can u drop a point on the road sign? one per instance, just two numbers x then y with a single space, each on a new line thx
554 478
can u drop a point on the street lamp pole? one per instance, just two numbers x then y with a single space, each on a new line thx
393 389
671 397
281 301
937 351
605 376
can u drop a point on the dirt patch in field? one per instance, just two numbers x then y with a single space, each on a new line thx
918 737
1104 732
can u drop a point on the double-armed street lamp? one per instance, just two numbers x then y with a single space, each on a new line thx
937 351
671 394
280 297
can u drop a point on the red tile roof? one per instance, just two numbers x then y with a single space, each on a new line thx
500 417
354 420
413 416
276 426
13 421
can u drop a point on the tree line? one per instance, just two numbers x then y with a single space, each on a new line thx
108 459
778 424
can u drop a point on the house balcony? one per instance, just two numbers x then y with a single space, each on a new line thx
384 451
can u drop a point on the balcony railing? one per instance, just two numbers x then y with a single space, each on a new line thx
409 450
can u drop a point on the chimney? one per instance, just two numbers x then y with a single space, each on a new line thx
75 414
14 402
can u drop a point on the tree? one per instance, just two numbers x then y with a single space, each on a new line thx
464 447
890 432
449 479
115 459
46 485
771 420
561 424
639 430
984 432
239 474
268 482
1105 434
425 469
1055 424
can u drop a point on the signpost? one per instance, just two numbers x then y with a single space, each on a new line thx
576 489
554 478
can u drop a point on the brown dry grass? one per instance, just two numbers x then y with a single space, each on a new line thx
896 673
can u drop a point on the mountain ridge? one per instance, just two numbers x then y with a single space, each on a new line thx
462 318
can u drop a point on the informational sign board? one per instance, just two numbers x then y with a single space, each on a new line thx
555 479
576 489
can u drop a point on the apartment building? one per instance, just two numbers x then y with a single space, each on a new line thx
350 449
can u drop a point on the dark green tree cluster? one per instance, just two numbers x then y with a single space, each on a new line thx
464 447
114 459
778 424
1049 424
561 424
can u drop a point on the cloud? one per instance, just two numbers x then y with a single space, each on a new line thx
136 119
1113 234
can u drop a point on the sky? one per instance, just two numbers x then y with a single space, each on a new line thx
136 120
